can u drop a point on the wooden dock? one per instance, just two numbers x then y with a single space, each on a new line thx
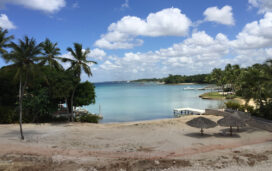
187 111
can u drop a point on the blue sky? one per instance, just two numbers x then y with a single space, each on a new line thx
133 39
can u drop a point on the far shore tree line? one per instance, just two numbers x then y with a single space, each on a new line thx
176 79
34 82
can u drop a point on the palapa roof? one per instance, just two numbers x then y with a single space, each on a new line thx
231 120
242 115
201 122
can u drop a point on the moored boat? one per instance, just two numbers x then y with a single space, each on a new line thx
189 88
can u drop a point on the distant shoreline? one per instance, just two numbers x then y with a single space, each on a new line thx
155 82
183 84
163 83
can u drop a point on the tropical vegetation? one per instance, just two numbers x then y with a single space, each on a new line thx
253 82
35 84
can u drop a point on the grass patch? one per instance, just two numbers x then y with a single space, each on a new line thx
217 96
212 95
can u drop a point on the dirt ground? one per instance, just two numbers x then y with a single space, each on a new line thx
167 144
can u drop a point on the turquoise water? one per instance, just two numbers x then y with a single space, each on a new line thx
121 102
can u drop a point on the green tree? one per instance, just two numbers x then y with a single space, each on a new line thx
50 53
85 94
38 105
255 83
4 40
8 84
78 63
8 97
23 57
43 95
61 84
231 75
218 77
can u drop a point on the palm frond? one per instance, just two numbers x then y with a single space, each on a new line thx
87 70
57 65
91 62
66 60
85 54
72 52
78 51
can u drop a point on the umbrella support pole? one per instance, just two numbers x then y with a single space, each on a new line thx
238 129
230 130
202 132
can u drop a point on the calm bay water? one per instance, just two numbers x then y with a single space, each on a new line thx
121 102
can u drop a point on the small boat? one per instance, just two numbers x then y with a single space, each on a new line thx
201 88
189 88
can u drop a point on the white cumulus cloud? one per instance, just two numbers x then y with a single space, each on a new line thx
97 54
199 53
122 34
263 5
257 34
5 22
221 16
42 5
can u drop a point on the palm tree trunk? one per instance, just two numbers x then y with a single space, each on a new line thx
202 132
21 108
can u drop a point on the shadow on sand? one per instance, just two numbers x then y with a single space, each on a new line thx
15 133
226 135
240 130
198 135
217 135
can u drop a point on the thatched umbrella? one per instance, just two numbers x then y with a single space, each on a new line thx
231 121
201 123
244 117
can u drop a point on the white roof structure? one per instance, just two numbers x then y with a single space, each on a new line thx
189 109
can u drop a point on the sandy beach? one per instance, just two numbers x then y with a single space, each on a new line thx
167 144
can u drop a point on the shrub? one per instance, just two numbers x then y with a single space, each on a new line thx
265 111
233 105
236 106
89 118
8 115
59 119
230 96
227 89
249 109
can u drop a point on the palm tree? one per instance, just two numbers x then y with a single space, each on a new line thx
78 64
4 40
217 76
231 75
50 54
24 57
